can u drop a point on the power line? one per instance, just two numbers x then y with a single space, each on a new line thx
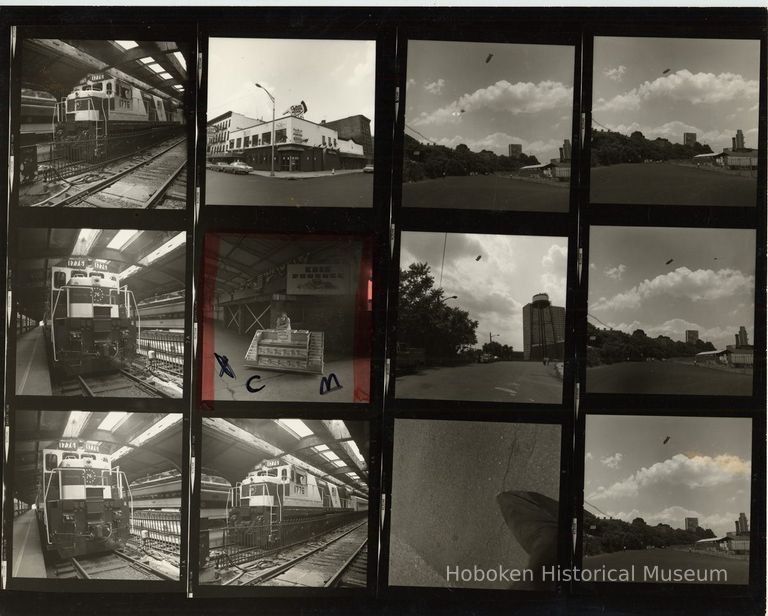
586 502
419 134
599 321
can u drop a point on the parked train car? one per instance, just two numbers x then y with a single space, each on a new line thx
102 105
93 321
272 504
278 491
38 113
84 504
164 490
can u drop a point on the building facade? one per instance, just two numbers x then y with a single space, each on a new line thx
355 128
543 329
515 150
689 139
691 336
300 145
691 524
219 129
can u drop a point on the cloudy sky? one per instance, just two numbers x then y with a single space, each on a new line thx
703 471
336 79
524 94
711 88
709 285
512 268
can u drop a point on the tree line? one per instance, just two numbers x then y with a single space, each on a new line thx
424 161
610 346
611 148
425 320
603 536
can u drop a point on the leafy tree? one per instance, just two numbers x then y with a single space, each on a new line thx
426 321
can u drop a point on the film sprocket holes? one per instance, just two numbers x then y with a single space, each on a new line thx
102 124
285 482
675 121
102 312
287 318
488 126
290 109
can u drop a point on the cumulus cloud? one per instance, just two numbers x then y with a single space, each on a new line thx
679 470
615 74
613 461
505 97
615 272
589 455
556 257
499 143
694 88
698 285
409 83
435 87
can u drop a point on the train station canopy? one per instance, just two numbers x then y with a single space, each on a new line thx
149 262
334 450
140 444
56 66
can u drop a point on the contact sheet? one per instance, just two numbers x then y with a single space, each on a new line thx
385 309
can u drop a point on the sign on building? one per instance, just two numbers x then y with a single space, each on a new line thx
297 111
316 279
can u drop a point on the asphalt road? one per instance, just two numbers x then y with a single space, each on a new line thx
486 192
666 377
668 184
446 475
346 190
503 381
736 571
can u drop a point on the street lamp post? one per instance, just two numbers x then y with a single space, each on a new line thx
272 98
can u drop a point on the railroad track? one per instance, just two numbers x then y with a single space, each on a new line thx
315 565
153 178
116 565
117 384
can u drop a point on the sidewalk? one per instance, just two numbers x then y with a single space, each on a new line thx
302 175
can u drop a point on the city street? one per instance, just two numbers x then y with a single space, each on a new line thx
347 190
503 381
667 377
670 184
737 571
487 192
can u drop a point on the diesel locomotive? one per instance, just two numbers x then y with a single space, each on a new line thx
93 321
84 504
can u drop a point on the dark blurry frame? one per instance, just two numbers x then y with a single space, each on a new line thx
391 28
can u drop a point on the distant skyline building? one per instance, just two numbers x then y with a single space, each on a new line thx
689 139
691 336
691 524
543 329
515 150
742 525
738 141
742 339
565 151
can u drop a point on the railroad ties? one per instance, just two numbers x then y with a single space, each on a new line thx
336 559
116 565
156 177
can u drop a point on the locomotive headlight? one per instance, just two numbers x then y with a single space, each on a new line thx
68 517
75 335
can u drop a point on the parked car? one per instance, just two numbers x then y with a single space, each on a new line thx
239 167
220 166
368 169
